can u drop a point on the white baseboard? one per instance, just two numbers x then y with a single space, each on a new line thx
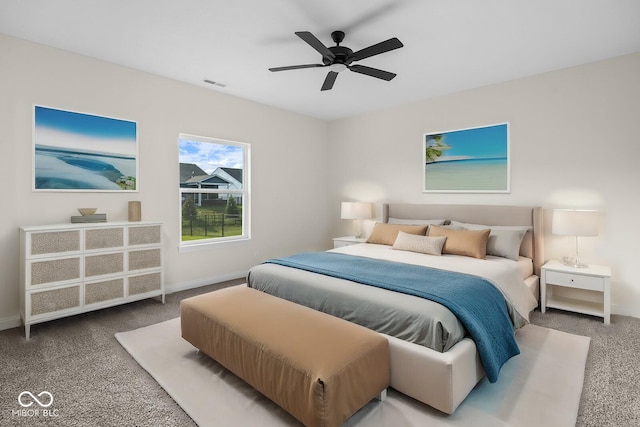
624 310
10 322
191 284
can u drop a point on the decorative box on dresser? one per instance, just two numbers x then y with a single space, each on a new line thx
68 269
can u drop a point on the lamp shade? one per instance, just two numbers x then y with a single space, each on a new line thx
355 210
568 222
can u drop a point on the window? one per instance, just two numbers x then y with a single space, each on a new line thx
214 190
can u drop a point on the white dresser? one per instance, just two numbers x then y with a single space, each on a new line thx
68 269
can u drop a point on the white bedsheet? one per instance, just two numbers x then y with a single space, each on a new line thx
505 274
525 265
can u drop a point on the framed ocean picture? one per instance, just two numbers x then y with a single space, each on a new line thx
473 160
83 152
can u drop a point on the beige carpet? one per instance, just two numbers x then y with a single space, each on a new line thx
540 387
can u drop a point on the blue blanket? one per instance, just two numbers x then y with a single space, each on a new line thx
476 302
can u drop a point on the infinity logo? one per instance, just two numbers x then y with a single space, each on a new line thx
42 393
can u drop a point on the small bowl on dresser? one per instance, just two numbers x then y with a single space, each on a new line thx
87 211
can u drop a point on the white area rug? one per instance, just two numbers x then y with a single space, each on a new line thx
540 387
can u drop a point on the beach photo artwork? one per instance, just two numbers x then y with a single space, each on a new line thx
472 160
83 152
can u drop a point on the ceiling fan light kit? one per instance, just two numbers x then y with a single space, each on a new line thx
339 58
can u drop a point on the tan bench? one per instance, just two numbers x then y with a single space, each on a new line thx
317 367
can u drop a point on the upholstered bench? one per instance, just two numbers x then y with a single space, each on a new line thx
319 368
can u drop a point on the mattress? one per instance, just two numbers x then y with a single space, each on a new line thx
406 317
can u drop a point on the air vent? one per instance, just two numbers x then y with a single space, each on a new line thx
211 82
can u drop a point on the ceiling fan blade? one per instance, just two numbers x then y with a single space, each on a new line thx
296 67
378 48
373 72
329 80
315 43
369 17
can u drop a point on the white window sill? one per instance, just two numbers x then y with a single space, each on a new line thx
210 244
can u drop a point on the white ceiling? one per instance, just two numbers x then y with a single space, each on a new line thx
450 45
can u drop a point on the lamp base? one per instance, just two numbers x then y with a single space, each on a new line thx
357 228
572 261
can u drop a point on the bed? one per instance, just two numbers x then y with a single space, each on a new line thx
434 361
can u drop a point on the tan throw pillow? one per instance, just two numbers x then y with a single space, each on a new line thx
422 244
471 243
504 240
385 234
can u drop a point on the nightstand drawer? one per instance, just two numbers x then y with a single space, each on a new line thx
575 281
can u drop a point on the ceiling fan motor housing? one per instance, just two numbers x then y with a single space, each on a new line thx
342 55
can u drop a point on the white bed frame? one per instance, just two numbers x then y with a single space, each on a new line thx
445 379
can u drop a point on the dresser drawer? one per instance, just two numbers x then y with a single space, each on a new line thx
145 283
54 300
98 265
53 270
572 280
145 235
104 238
103 291
140 260
53 242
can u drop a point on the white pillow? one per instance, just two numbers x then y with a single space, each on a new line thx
469 226
504 240
421 244
416 221
505 243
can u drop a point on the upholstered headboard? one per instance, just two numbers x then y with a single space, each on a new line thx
532 244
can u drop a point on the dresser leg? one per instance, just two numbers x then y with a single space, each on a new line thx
27 332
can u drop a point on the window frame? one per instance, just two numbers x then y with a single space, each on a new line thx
245 193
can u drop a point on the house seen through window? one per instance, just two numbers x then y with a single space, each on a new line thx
214 190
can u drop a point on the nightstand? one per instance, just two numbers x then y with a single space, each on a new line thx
594 278
339 242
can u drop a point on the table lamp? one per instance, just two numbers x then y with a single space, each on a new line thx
357 211
578 223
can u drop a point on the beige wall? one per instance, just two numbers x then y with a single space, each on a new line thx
288 173
575 143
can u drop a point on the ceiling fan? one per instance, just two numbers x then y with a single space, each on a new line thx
339 58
